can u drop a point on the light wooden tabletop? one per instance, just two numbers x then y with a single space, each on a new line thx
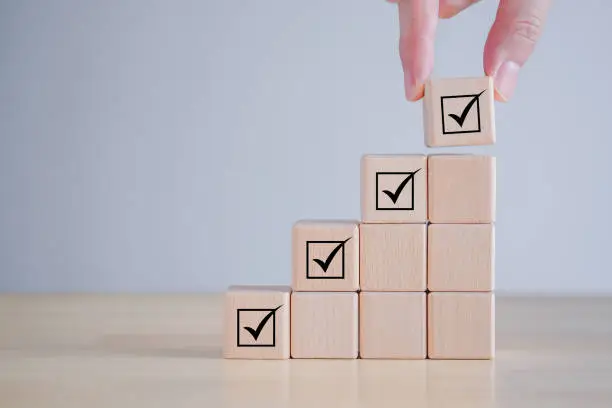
152 351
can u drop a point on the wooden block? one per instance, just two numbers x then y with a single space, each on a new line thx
393 257
461 257
394 188
326 256
392 325
461 189
257 322
459 112
461 325
324 325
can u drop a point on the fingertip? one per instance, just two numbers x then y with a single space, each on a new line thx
450 8
418 93
505 80
414 89
499 97
447 12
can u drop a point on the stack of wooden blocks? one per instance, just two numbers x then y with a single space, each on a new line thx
414 279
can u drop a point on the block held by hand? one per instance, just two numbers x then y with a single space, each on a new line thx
459 112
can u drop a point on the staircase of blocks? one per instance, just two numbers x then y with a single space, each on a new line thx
414 278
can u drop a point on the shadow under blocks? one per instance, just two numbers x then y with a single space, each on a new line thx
414 278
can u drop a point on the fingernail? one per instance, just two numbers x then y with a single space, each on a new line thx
414 87
506 78
416 73
410 85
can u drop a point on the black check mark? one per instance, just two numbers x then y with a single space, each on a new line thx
330 258
395 195
466 110
255 333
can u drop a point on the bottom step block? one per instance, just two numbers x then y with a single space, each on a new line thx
461 325
257 322
392 325
324 325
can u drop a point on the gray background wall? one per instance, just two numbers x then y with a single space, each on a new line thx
170 145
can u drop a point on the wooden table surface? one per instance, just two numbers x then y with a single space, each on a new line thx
152 351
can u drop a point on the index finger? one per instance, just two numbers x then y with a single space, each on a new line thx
418 20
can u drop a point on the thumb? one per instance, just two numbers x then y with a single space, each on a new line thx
511 41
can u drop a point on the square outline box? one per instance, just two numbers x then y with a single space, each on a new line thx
444 132
308 259
255 345
378 208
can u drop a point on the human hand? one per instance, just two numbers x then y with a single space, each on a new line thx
511 40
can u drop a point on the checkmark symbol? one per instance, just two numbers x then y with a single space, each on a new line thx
466 110
325 264
257 331
394 196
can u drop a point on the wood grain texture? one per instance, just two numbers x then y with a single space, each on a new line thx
245 308
325 255
393 257
462 189
461 257
461 325
324 325
445 101
392 325
389 172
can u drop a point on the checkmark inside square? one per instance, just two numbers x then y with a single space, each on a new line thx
256 327
395 190
461 113
325 259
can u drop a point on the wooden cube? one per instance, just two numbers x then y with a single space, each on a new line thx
392 325
461 325
324 325
257 322
326 255
461 257
459 112
461 189
394 188
393 257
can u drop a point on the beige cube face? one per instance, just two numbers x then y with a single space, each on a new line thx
461 257
461 189
326 256
324 325
257 322
394 188
461 325
459 112
393 257
392 325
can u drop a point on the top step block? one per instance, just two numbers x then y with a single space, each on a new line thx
459 112
394 189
